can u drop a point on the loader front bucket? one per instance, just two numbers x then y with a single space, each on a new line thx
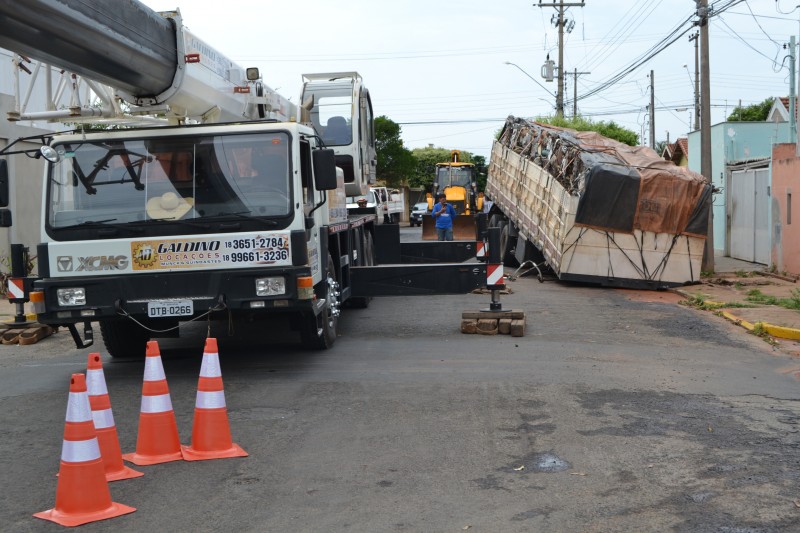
463 228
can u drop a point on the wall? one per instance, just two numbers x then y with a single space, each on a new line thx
733 142
785 250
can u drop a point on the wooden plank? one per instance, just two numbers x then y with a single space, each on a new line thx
504 326
477 315
517 328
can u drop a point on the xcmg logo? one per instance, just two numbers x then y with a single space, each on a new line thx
92 263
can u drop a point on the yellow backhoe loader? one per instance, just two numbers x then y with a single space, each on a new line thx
456 180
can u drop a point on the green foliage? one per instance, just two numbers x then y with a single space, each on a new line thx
481 171
610 129
752 113
699 301
396 163
758 297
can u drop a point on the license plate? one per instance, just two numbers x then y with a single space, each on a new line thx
162 308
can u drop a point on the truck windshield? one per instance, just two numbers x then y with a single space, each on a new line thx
454 177
169 179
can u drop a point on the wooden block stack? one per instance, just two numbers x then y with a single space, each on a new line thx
494 322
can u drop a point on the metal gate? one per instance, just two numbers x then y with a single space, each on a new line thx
749 215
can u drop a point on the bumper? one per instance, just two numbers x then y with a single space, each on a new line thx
111 296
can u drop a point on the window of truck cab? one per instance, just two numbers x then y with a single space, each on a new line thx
168 180
332 114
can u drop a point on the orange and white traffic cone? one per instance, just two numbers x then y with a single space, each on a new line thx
211 432
82 494
157 441
104 422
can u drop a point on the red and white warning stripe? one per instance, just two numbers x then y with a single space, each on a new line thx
481 250
16 288
494 275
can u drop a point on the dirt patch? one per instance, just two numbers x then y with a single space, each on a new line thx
635 295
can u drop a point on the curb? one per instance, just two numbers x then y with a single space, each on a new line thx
780 332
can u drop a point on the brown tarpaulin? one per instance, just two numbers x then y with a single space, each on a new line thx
670 198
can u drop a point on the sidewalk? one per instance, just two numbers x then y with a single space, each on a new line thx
746 293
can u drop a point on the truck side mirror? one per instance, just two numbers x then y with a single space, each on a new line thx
324 170
4 199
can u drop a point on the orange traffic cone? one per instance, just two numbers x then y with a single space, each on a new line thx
158 440
211 433
82 494
104 422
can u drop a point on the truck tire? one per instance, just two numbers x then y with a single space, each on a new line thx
507 247
328 319
124 338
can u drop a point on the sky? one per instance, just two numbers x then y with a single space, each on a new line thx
439 68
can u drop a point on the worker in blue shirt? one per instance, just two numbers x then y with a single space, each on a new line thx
443 214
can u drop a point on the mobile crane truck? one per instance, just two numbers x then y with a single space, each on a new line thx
237 204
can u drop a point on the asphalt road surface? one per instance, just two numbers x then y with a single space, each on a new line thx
617 411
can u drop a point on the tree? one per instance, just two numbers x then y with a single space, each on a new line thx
426 164
396 163
480 171
660 147
752 113
611 129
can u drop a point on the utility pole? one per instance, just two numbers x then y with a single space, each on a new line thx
696 82
575 92
559 21
705 129
792 105
652 110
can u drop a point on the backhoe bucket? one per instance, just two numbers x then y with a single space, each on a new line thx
463 228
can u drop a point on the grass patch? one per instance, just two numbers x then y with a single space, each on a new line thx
757 297
759 331
698 301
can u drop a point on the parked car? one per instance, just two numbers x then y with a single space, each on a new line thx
417 212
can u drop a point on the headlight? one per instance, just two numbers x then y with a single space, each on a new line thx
71 296
270 286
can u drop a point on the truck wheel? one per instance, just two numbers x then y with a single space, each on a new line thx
328 320
124 338
507 246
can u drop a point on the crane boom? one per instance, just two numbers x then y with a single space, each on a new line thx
101 44
153 63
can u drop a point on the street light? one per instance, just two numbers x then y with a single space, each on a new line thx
531 77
